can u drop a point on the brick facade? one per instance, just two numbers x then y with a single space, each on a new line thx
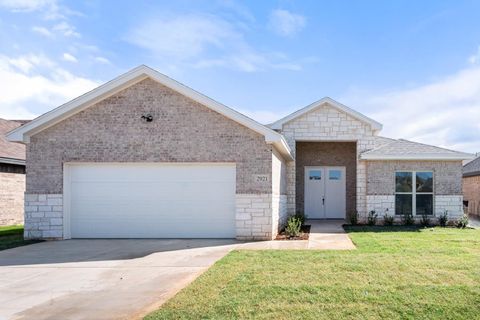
12 189
181 131
471 193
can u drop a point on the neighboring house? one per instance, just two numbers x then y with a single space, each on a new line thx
471 186
12 176
145 156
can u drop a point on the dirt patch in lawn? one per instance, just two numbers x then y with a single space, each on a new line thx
304 234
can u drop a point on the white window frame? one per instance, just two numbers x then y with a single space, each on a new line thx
414 190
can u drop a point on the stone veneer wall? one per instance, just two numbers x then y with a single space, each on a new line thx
471 193
324 124
12 189
43 216
452 204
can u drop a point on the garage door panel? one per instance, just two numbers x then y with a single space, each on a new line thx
116 202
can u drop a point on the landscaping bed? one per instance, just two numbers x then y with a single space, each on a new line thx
304 234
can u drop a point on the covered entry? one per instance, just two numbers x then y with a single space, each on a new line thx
332 190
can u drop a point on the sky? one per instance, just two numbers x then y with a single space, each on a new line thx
412 65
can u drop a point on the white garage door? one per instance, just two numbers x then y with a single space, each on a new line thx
150 200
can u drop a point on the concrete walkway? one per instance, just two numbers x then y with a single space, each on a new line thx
329 235
474 222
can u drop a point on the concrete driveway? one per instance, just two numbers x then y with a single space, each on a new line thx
100 279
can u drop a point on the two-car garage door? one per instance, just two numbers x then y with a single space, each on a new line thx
150 200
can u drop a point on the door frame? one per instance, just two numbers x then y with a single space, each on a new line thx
325 173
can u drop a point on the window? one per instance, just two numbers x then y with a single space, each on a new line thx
315 175
414 192
334 174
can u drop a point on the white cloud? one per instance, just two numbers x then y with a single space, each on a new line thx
26 5
286 23
33 84
203 41
66 29
445 112
475 58
68 57
43 31
102 60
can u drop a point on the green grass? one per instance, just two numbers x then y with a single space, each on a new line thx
12 236
396 273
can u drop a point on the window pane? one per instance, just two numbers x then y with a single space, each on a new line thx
403 181
424 204
315 175
424 181
403 204
334 174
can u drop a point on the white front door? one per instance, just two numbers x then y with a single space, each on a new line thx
325 192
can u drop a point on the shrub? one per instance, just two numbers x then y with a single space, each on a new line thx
354 218
407 219
425 221
301 216
372 218
293 227
388 219
443 219
462 222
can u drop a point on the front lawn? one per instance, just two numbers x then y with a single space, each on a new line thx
12 236
396 272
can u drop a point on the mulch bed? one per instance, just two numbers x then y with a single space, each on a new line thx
305 232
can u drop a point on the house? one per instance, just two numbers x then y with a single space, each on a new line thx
12 176
144 156
471 186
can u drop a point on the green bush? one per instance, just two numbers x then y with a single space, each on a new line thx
301 216
443 219
407 219
354 218
388 220
372 218
463 221
425 221
294 226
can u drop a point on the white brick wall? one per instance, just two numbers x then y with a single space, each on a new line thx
43 216
453 203
259 216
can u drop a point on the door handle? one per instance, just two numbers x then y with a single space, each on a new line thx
323 200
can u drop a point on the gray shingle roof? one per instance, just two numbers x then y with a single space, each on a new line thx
472 168
10 150
408 150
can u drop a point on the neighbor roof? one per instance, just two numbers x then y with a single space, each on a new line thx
408 150
355 114
472 168
22 134
10 152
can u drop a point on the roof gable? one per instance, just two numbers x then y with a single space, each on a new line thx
409 150
10 152
376 126
472 168
23 133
